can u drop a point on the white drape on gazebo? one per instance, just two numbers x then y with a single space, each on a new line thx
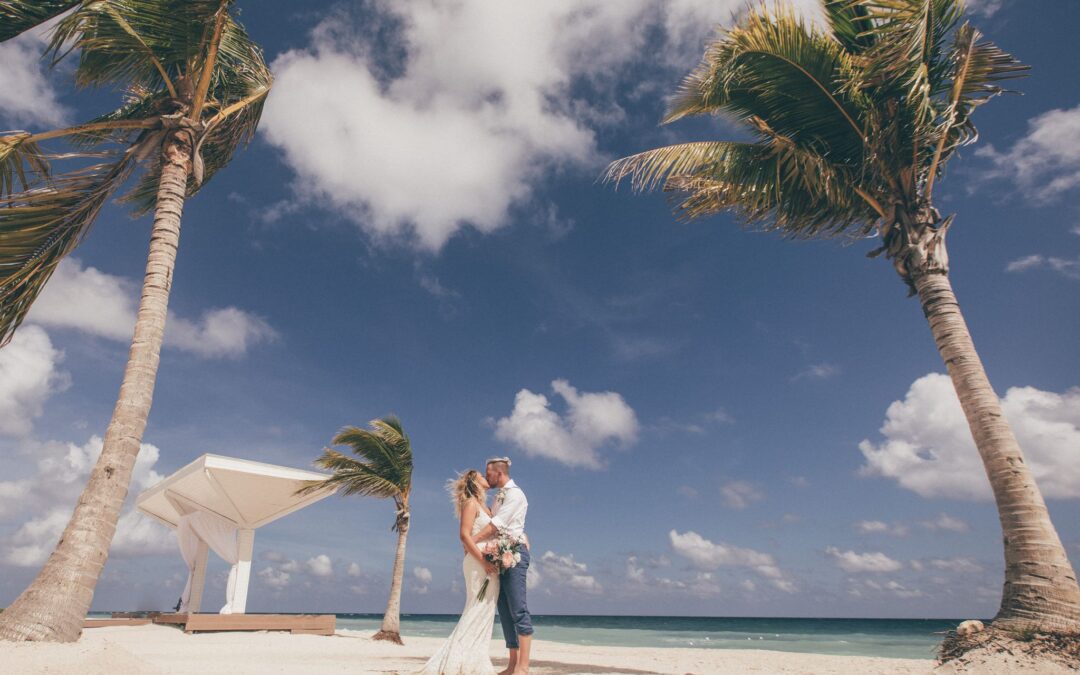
220 535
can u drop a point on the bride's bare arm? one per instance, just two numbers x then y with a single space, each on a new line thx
468 517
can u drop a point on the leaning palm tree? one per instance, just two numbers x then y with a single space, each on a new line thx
850 129
381 466
195 88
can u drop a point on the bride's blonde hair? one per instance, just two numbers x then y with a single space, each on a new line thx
463 488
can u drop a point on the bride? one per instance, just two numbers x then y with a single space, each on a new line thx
465 652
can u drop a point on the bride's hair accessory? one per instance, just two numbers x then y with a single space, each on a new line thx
463 488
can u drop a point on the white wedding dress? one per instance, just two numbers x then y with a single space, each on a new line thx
466 651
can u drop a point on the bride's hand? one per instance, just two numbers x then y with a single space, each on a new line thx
490 568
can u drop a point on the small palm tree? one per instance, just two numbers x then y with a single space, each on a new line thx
850 130
381 467
195 88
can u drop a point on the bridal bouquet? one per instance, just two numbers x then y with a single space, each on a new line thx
503 553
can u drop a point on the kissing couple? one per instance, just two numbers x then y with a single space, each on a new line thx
496 567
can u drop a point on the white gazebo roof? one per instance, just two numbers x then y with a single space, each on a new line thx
249 494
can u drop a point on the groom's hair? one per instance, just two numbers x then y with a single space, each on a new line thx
501 463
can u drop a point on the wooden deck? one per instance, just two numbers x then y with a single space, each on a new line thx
101 623
312 624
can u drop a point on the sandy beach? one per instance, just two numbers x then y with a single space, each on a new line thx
141 650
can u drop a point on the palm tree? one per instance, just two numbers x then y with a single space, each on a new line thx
381 467
195 88
850 128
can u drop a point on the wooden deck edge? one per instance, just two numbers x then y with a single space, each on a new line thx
98 623
310 624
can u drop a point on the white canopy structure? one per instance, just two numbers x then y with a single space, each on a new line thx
217 503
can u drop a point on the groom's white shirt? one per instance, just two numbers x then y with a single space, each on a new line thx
509 516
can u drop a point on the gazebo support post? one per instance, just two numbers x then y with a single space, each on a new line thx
245 544
198 578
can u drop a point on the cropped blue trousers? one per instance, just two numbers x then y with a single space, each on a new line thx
513 610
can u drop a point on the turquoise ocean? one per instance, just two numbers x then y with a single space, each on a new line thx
897 638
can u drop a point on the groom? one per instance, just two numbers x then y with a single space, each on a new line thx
508 518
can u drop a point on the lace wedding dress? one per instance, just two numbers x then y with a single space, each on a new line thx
465 652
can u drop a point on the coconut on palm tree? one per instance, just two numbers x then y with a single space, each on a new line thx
195 86
850 129
380 466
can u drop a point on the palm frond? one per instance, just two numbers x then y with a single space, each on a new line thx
911 38
775 68
19 16
651 169
978 69
22 162
350 477
851 24
40 226
148 43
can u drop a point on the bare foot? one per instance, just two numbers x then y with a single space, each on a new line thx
520 671
507 671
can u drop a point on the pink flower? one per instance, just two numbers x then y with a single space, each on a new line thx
507 560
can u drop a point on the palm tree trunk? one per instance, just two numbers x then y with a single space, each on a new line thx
55 604
1041 591
391 624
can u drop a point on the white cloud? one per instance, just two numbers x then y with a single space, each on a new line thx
26 95
35 539
28 376
818 371
482 101
1025 263
50 495
1045 163
422 577
223 332
959 565
740 494
592 420
985 7
880 527
1064 267
564 571
635 573
687 491
422 574
354 570
320 566
850 561
275 579
928 447
945 522
94 302
891 587
707 556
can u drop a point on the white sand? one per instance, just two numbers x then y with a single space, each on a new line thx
165 650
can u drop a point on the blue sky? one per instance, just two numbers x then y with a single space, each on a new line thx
730 423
